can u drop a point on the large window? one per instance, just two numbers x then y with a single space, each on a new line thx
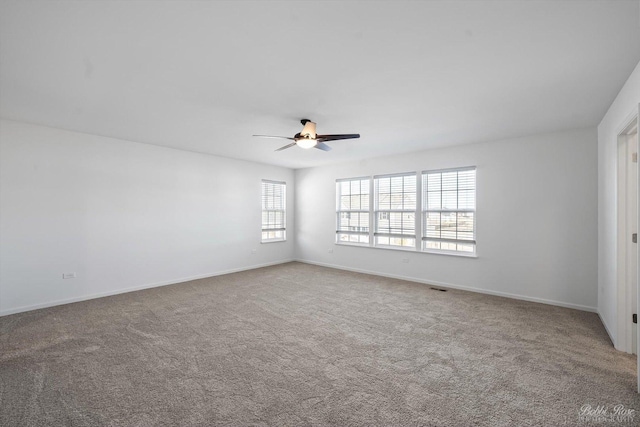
273 211
436 213
352 212
395 210
448 210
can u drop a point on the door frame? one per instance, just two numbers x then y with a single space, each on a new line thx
624 339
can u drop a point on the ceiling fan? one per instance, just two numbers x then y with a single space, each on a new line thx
307 138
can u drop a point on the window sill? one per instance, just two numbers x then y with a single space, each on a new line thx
273 241
365 245
451 253
401 249
359 245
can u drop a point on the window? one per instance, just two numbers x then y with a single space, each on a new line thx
448 210
273 211
395 210
353 205
436 213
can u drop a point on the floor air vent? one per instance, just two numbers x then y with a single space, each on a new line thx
438 289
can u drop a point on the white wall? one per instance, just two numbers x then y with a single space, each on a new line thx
624 108
122 215
536 219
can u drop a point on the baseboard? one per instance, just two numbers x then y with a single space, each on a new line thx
135 288
606 328
460 287
339 267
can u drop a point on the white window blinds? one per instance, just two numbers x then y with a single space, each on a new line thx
395 210
353 204
273 211
449 206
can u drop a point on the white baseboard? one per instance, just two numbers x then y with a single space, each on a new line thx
236 270
135 288
460 287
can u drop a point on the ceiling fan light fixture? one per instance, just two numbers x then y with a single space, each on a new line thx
309 129
306 143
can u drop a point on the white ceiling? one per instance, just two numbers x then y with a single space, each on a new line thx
205 76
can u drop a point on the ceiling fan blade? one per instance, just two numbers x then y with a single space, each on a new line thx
275 137
286 146
322 146
336 137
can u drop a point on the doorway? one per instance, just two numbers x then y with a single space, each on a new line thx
627 237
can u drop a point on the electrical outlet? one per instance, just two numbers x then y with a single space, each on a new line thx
405 260
330 251
253 251
68 275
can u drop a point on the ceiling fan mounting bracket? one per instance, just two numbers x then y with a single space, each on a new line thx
304 121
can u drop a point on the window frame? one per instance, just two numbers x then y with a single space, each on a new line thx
342 213
420 231
425 210
378 212
264 209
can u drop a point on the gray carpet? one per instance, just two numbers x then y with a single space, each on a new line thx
296 345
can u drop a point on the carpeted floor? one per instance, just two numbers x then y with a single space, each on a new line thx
296 345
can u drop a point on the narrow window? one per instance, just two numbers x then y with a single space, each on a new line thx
449 210
395 210
352 212
274 211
